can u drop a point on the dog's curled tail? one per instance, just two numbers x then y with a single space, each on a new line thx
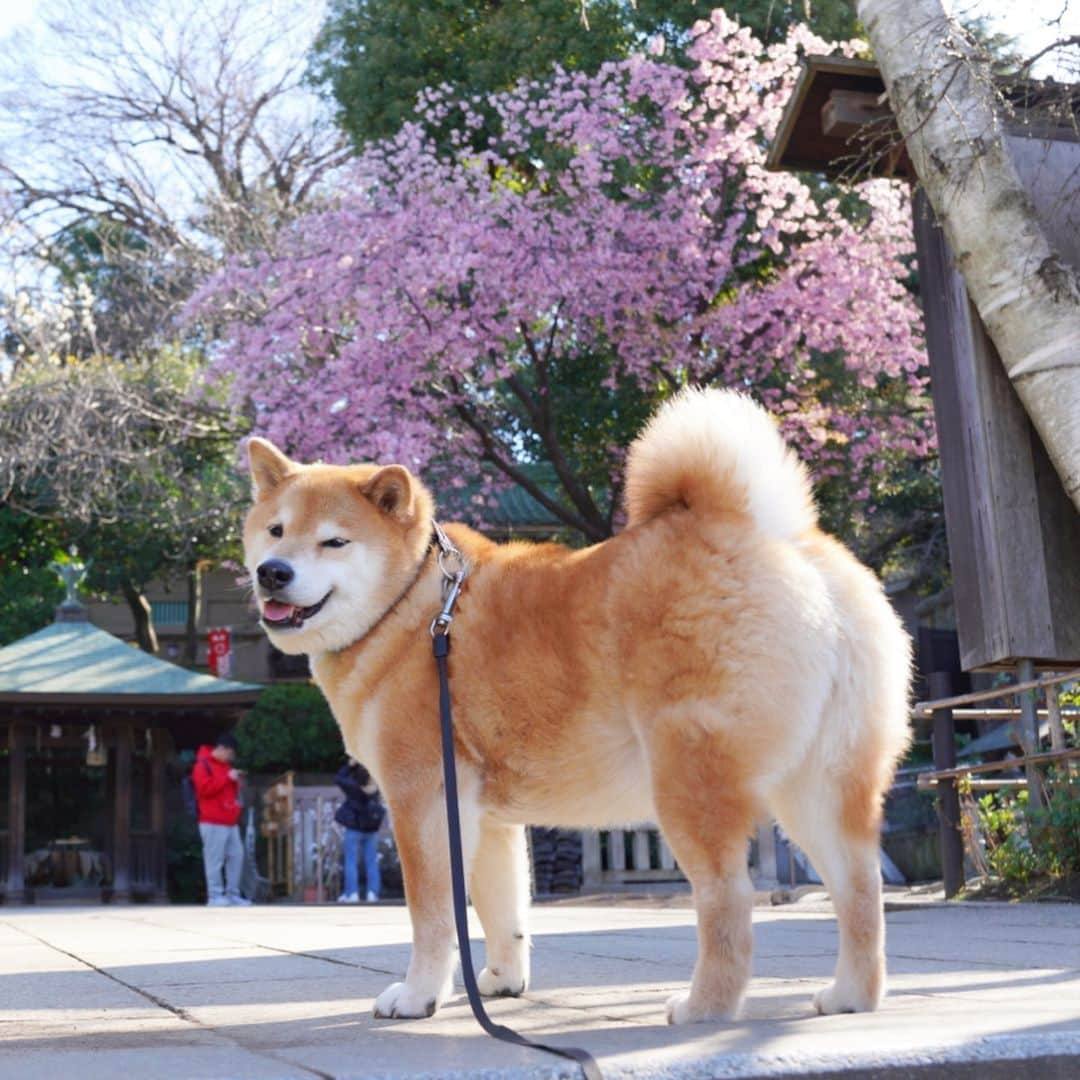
715 451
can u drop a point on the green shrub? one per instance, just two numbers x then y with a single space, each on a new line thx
290 727
1056 828
1025 842
1008 847
184 862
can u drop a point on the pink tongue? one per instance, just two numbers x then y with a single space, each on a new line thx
276 611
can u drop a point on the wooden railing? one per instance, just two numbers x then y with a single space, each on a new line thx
946 773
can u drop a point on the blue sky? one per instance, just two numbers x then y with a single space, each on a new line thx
1025 19
1030 21
15 14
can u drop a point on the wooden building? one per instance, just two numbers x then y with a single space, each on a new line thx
87 725
1014 535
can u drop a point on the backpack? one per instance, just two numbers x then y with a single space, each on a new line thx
191 796
364 815
372 814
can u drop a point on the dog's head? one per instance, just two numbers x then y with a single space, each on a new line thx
330 547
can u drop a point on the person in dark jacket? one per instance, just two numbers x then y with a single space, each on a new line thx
361 814
217 789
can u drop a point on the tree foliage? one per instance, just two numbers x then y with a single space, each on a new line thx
29 589
483 311
768 20
171 132
140 142
289 727
130 461
376 57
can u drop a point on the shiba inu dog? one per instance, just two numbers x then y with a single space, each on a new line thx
718 660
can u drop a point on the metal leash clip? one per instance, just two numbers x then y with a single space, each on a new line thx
453 568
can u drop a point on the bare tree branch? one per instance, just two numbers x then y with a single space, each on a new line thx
540 417
502 459
1061 43
103 441
189 128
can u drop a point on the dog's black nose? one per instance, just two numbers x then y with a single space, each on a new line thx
274 574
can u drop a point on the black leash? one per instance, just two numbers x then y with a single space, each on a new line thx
440 633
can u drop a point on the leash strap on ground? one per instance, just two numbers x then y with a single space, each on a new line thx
588 1064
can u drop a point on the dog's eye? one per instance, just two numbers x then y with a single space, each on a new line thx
276 530
335 543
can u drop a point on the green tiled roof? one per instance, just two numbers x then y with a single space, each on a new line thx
518 507
80 660
514 510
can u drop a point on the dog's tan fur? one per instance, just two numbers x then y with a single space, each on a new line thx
718 660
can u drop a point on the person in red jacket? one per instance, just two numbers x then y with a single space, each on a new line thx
217 788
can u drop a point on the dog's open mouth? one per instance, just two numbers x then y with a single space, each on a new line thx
289 616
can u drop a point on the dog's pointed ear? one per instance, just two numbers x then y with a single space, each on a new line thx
391 490
269 466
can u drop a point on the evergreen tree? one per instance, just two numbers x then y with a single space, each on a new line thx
375 56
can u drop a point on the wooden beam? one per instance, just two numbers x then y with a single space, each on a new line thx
122 817
1008 714
948 798
924 708
800 142
18 739
927 778
846 112
1006 783
158 754
1027 732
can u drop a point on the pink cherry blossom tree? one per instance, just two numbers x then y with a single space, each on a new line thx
508 313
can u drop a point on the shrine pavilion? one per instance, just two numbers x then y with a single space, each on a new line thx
87 727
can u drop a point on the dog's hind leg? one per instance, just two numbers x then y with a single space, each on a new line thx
499 886
836 821
706 813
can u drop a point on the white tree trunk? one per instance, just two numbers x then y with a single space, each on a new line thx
1027 295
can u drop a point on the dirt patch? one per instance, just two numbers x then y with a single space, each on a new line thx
1038 890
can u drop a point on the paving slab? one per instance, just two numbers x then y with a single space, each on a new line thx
282 992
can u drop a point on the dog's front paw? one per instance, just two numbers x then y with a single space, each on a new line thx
494 982
683 1009
399 1001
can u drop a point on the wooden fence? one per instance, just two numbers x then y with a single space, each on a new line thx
317 840
946 774
303 842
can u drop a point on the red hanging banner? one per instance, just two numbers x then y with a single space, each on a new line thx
220 651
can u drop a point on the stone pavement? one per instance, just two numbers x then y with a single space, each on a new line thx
281 992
